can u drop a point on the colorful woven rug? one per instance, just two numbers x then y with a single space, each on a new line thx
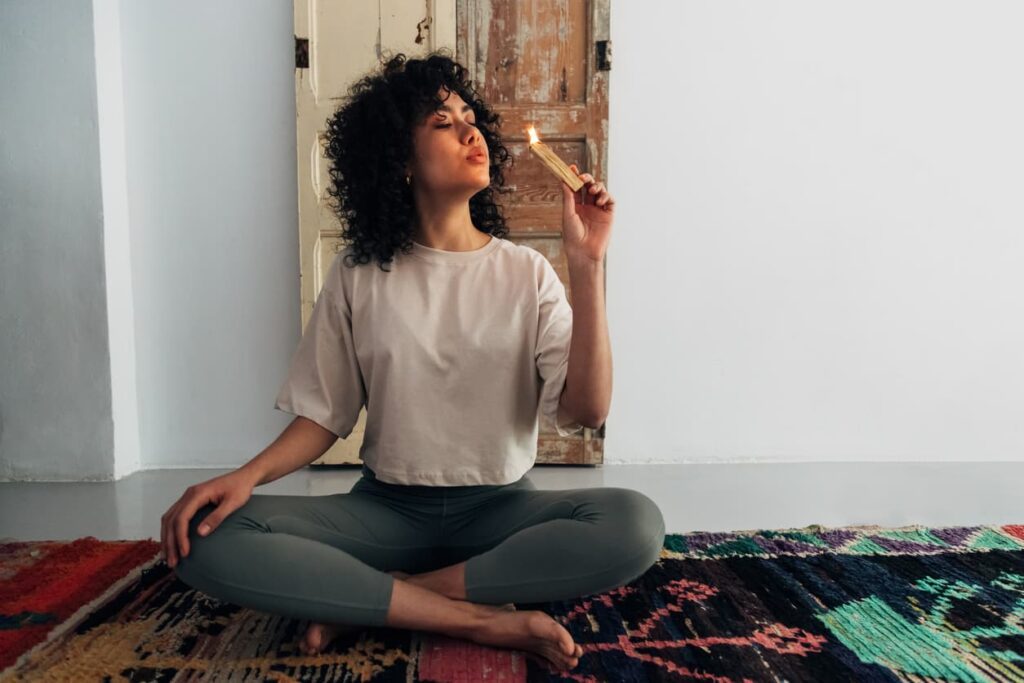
43 584
812 604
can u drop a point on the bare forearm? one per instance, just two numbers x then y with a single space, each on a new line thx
302 442
588 391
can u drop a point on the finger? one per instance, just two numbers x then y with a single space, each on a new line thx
181 534
585 177
166 535
567 193
213 520
181 529
172 554
582 196
181 521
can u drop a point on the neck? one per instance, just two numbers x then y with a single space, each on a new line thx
446 225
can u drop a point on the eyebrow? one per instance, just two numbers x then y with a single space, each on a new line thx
465 108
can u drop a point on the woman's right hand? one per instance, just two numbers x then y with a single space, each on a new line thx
230 492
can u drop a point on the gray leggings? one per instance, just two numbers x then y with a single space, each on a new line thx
326 558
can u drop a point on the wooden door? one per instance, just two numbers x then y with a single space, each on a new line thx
533 62
337 42
543 63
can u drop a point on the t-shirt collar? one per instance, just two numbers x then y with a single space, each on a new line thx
443 256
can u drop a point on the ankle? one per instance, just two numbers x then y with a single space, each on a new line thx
479 617
434 583
414 607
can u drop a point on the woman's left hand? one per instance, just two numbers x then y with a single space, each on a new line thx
587 228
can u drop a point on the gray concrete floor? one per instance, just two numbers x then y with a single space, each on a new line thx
704 497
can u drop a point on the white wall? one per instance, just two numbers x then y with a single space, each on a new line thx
116 238
819 234
813 259
55 402
148 213
209 96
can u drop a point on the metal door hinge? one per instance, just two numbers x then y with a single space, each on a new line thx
301 53
604 55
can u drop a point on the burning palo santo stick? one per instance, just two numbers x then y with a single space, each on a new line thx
555 164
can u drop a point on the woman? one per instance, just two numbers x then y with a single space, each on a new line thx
456 348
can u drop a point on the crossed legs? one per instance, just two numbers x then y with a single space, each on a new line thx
341 559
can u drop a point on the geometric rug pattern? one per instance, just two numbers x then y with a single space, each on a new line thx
812 604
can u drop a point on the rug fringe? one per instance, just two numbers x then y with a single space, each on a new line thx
819 528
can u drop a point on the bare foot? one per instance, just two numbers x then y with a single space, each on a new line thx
319 636
533 632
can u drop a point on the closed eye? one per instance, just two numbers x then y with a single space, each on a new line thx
448 125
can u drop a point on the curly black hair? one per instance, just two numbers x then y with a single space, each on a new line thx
369 140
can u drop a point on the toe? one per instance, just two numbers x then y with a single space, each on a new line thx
542 662
313 637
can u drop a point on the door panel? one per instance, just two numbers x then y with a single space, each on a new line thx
534 62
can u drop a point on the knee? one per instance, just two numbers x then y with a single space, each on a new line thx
199 547
641 526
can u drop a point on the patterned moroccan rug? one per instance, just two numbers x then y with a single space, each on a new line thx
813 604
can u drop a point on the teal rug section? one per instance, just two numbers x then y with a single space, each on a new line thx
812 604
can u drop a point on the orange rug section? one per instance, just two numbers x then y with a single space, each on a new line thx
43 583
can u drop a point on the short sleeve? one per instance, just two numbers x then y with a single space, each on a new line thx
324 382
554 334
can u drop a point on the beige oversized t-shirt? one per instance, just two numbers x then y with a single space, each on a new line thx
455 354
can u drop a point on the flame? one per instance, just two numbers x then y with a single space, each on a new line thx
533 135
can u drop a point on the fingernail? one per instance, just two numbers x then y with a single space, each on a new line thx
204 529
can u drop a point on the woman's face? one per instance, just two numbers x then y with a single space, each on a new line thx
442 143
